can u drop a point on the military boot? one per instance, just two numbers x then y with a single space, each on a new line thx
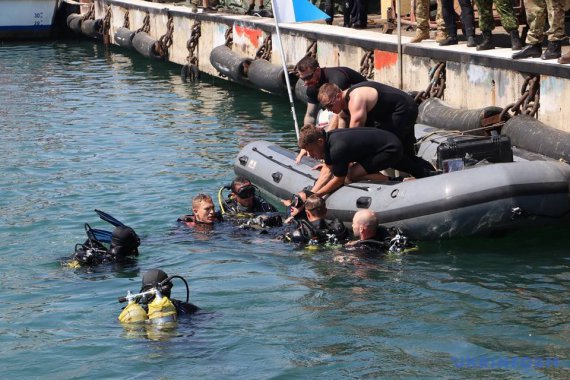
529 51
487 43
565 58
420 36
516 43
440 36
554 50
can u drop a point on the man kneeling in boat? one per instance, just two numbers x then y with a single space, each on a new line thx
315 229
204 212
350 155
245 205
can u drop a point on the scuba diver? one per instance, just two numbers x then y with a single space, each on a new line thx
204 212
153 302
103 246
375 239
246 207
315 230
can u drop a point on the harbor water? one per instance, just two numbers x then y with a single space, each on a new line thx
83 127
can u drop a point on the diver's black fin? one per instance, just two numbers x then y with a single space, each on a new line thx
108 218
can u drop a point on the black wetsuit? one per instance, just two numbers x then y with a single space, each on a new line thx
259 205
184 308
396 112
372 148
318 232
343 77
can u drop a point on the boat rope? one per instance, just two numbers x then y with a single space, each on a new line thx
146 24
367 65
190 70
229 37
126 21
436 85
106 26
165 41
264 51
529 101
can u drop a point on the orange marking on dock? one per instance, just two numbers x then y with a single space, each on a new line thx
384 59
252 34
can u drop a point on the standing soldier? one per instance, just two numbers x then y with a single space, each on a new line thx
536 17
487 23
422 19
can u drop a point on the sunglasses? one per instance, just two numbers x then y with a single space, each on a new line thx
307 77
330 104
246 191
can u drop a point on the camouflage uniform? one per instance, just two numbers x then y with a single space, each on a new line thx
422 16
505 9
536 15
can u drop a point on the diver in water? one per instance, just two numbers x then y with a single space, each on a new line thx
156 278
105 247
204 212
246 207
372 238
315 230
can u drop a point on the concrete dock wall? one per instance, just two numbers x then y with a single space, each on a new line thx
473 79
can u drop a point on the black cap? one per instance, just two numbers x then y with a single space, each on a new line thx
152 278
124 242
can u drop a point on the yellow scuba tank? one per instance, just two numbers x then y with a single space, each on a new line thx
161 310
133 313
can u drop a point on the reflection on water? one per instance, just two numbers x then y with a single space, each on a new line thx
84 128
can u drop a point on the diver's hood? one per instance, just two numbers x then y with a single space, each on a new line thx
124 242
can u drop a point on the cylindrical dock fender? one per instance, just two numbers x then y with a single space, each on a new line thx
91 28
229 63
146 45
435 113
301 91
124 37
74 22
530 134
266 76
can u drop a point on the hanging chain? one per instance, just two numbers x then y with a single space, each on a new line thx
165 41
367 65
146 24
529 102
106 26
436 85
90 15
310 52
126 21
264 51
229 37
190 70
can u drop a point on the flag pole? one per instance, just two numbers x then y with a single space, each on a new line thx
400 63
282 52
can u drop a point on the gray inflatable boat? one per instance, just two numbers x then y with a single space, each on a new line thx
483 199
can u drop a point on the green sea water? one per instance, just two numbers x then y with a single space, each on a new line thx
82 127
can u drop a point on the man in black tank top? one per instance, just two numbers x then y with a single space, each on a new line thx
381 106
350 153
313 77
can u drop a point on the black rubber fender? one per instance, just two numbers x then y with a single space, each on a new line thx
435 113
145 44
533 135
230 63
124 38
74 22
267 76
91 28
301 91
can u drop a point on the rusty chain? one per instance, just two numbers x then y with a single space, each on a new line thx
90 15
106 25
367 65
190 70
529 101
436 85
146 24
165 41
310 52
264 51
229 37
126 21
